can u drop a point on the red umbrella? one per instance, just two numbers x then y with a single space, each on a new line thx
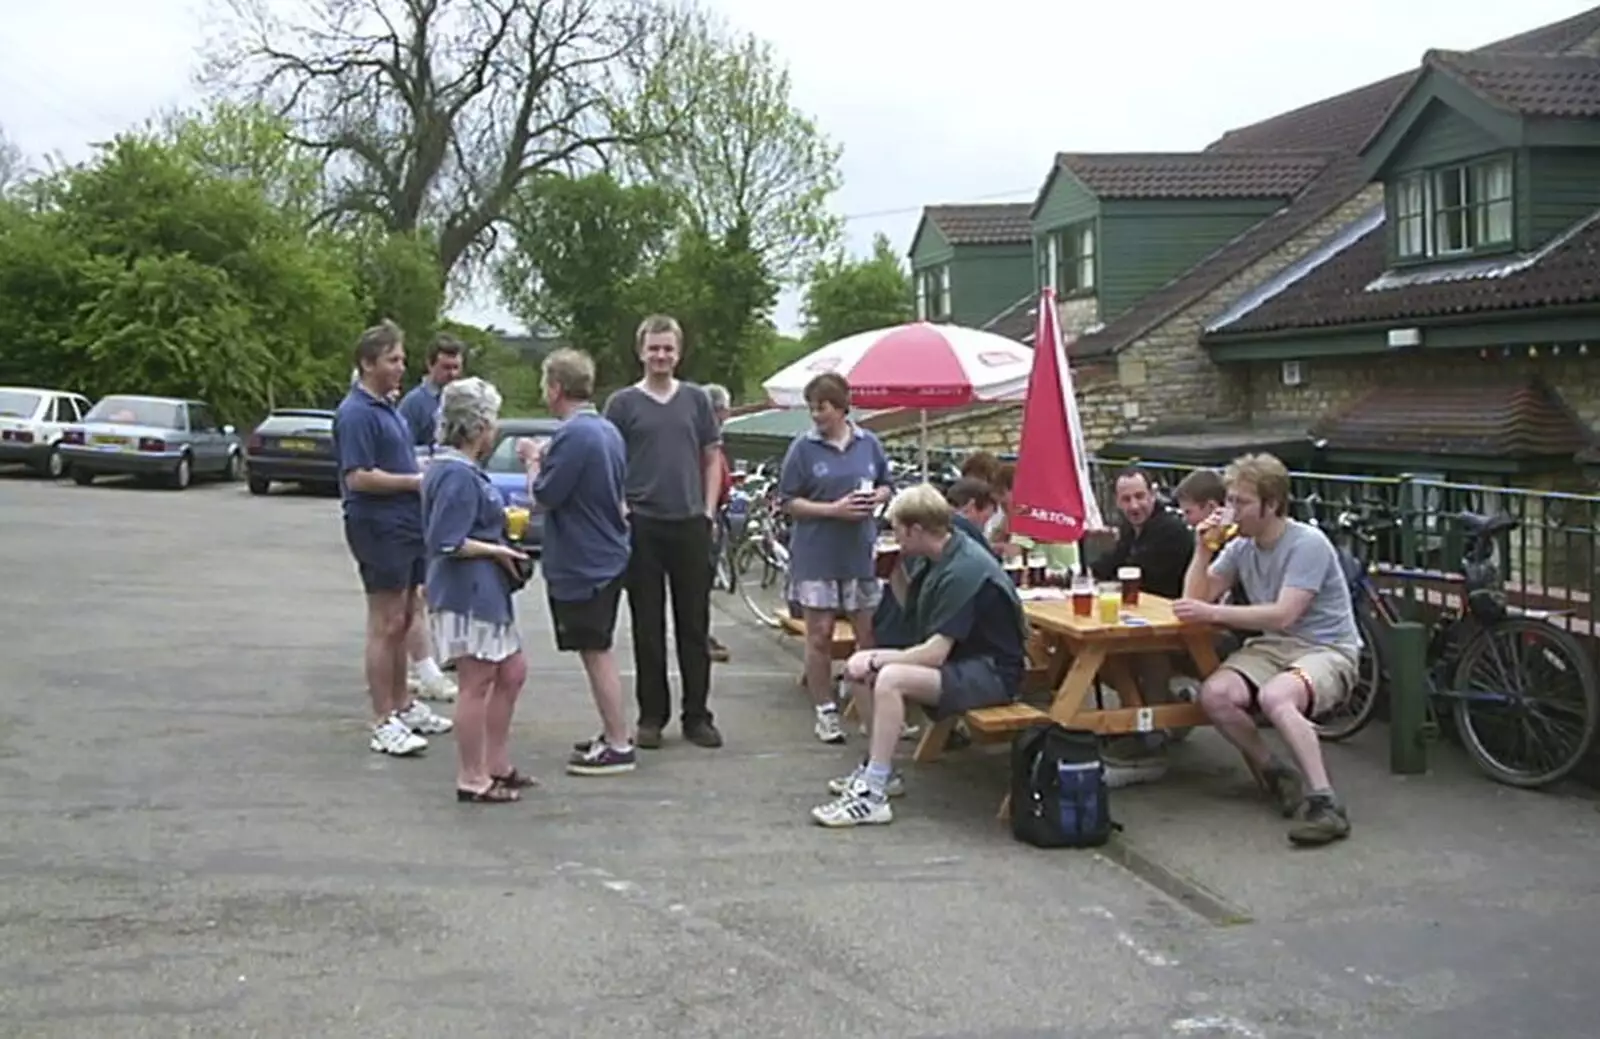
918 365
1051 496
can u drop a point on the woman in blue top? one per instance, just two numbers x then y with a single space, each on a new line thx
472 571
833 479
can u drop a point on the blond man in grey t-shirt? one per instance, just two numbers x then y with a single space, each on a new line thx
1304 661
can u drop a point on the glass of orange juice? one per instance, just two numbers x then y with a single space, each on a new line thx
516 522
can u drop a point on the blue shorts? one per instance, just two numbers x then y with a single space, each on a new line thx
970 683
389 560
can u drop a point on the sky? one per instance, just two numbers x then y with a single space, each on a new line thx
931 102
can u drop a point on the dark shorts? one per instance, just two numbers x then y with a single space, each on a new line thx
966 685
587 624
388 560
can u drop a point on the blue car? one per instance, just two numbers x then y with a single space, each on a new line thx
506 472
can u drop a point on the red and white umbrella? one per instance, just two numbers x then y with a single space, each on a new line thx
920 365
1051 496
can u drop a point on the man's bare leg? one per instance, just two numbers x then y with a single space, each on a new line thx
1225 697
387 619
865 799
605 685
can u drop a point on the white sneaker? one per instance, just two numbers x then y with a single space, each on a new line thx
896 787
828 729
857 806
420 718
444 690
393 738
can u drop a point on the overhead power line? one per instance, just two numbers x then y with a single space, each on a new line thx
904 210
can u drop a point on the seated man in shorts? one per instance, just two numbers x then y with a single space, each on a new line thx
1304 661
967 652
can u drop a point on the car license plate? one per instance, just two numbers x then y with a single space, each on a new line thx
108 441
305 446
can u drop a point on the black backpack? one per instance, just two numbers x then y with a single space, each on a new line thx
1059 797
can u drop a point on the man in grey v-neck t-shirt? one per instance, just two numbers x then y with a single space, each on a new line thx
671 433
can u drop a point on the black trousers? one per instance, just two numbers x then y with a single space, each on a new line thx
675 553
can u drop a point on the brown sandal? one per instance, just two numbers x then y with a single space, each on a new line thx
514 780
495 795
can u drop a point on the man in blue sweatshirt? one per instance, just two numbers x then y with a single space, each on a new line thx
578 480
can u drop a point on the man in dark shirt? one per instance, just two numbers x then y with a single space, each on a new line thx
1157 541
420 407
673 483
974 503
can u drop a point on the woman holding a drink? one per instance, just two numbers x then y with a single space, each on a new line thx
833 480
472 573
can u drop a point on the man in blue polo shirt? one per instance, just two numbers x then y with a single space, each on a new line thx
579 480
380 484
420 408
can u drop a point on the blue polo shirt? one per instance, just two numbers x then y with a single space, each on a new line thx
462 504
369 434
813 469
580 487
420 409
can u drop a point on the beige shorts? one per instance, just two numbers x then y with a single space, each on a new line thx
1329 674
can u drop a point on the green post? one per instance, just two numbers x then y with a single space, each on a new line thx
1407 658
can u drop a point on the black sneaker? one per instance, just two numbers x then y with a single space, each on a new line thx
1285 787
601 759
1322 821
701 734
648 737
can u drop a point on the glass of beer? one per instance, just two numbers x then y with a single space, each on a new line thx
1224 531
1110 603
516 522
1082 597
1128 577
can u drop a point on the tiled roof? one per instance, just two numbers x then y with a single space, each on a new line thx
1001 224
1340 125
1194 174
1351 287
1488 420
1565 86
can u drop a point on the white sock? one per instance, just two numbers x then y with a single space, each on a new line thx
827 708
427 670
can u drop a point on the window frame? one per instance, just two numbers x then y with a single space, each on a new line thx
933 293
1422 220
1072 249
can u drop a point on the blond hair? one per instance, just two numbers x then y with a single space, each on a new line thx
921 505
1265 475
657 324
570 371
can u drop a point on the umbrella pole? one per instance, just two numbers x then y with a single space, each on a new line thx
924 445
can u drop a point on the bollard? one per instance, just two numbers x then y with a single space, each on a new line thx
1407 658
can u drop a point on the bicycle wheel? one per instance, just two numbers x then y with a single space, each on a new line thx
1526 699
756 593
1351 716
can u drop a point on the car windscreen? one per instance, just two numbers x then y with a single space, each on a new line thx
19 403
504 457
293 423
133 411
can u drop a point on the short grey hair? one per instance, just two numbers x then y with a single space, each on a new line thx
467 407
570 371
720 401
377 341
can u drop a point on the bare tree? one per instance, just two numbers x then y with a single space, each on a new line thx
431 113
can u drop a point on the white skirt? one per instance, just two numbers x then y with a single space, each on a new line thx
457 635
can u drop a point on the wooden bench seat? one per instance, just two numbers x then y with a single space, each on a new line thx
1005 720
844 636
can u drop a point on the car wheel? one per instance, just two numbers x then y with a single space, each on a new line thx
235 468
182 475
55 467
82 477
259 486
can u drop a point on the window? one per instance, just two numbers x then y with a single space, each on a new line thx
200 420
66 410
1067 260
933 293
1454 210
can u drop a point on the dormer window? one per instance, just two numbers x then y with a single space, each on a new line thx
933 293
1453 210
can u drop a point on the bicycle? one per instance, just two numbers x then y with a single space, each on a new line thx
1498 668
762 547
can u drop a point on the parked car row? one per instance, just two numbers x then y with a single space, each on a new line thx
177 441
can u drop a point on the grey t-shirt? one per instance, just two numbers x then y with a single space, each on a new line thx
666 443
1302 558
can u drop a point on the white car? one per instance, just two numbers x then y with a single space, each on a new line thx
31 424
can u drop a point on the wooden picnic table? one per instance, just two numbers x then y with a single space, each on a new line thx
1080 652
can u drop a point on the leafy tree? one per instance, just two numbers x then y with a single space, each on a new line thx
720 291
847 296
581 250
433 114
738 154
